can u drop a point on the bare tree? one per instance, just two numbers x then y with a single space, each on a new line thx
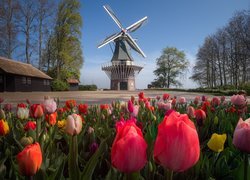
8 27
28 11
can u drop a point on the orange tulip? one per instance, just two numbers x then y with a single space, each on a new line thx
51 118
4 127
36 110
177 144
30 160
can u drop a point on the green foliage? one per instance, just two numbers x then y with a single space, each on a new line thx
58 85
170 65
91 87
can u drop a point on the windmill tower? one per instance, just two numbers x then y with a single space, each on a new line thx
122 69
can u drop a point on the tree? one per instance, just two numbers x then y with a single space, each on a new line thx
170 65
45 10
9 10
69 58
27 24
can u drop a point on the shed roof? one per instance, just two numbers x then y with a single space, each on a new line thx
20 68
73 81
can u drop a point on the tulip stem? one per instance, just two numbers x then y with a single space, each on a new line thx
245 165
73 159
37 130
168 174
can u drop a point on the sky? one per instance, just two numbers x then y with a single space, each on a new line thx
183 24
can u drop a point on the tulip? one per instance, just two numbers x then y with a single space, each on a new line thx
30 160
4 127
36 111
215 101
128 153
51 118
70 103
93 147
238 100
196 100
141 95
177 143
50 105
73 124
83 108
130 106
7 107
216 142
61 124
22 113
2 114
200 116
30 125
90 130
165 96
26 141
241 135
135 111
191 111
182 100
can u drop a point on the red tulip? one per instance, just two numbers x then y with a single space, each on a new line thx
165 96
70 103
30 160
30 125
36 110
141 95
200 116
242 135
177 144
83 108
130 106
128 153
215 101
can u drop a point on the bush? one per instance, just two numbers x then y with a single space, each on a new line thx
58 85
91 87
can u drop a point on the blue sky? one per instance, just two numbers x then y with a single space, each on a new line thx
183 24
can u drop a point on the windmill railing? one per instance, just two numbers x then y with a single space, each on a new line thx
122 69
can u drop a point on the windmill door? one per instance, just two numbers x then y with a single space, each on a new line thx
123 85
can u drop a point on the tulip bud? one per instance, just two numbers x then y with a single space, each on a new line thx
30 125
73 124
22 113
26 140
2 114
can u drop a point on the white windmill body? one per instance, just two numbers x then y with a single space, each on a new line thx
122 69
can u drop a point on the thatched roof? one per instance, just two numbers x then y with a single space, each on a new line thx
19 68
73 81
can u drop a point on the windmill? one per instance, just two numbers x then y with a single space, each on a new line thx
122 69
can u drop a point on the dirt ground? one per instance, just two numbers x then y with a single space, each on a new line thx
89 97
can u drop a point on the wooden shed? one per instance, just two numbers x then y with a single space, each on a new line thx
18 76
73 84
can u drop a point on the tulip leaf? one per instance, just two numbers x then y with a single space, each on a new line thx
58 174
93 161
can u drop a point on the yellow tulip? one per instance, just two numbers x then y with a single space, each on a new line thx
216 142
61 124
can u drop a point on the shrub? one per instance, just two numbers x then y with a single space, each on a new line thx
91 87
59 85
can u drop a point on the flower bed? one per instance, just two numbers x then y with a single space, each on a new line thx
144 138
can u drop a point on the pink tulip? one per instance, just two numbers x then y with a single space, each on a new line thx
177 144
128 153
135 111
242 135
130 106
73 124
238 100
50 105
182 100
191 111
